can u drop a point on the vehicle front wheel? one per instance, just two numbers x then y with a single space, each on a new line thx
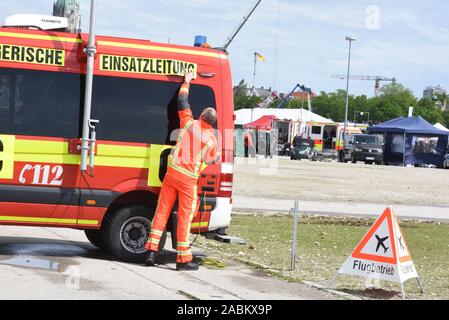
96 238
353 159
126 233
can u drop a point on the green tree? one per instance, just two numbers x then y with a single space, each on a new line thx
242 100
394 101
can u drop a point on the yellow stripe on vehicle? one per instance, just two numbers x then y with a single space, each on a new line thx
120 151
56 152
124 162
39 37
48 158
7 156
41 146
154 164
157 48
113 44
47 220
200 224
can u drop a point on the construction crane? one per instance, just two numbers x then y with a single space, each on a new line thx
377 80
304 89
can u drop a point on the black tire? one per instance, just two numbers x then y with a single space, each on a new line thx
379 163
353 159
126 233
368 162
96 238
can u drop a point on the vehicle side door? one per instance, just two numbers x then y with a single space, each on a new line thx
38 176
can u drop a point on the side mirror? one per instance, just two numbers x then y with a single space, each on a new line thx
350 142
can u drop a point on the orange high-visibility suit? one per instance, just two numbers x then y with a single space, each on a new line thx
196 144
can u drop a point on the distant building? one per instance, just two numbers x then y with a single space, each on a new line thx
432 91
262 92
259 92
302 96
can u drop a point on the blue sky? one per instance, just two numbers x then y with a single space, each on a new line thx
303 41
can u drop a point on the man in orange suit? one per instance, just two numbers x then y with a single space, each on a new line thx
196 144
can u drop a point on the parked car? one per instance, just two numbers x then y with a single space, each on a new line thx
363 147
302 149
285 149
446 162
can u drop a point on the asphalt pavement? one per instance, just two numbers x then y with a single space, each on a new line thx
52 263
266 205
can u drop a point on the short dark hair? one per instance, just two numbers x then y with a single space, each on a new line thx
210 115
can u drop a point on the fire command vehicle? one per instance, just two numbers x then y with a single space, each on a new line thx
42 76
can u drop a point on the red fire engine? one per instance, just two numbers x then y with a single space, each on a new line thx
136 82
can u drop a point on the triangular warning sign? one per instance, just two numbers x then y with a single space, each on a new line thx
382 253
378 244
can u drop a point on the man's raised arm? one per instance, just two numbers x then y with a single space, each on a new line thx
184 112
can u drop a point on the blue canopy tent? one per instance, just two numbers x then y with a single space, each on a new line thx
412 141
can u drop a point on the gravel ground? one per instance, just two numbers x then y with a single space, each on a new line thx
282 178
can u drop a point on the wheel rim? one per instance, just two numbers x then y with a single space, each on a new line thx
134 234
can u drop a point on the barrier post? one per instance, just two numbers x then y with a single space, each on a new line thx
295 235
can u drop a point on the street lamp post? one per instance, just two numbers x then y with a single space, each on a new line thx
350 39
361 113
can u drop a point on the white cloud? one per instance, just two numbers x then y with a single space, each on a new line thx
411 43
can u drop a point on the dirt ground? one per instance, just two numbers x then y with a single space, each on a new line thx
282 178
324 243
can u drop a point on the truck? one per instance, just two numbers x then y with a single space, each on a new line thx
42 79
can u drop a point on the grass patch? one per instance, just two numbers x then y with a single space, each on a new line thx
324 243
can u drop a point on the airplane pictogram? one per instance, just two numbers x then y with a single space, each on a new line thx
400 243
380 242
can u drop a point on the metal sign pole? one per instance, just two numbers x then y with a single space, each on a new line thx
90 52
402 291
420 285
295 235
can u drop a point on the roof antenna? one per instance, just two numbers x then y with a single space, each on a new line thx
240 26
170 21
69 9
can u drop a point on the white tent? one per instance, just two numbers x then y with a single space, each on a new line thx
441 127
243 116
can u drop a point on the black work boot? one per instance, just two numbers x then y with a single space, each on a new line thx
188 266
150 259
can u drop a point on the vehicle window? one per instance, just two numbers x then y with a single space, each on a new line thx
316 129
380 137
136 110
425 145
366 139
349 138
5 94
40 103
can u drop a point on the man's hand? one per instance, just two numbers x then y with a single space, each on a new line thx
218 158
188 77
